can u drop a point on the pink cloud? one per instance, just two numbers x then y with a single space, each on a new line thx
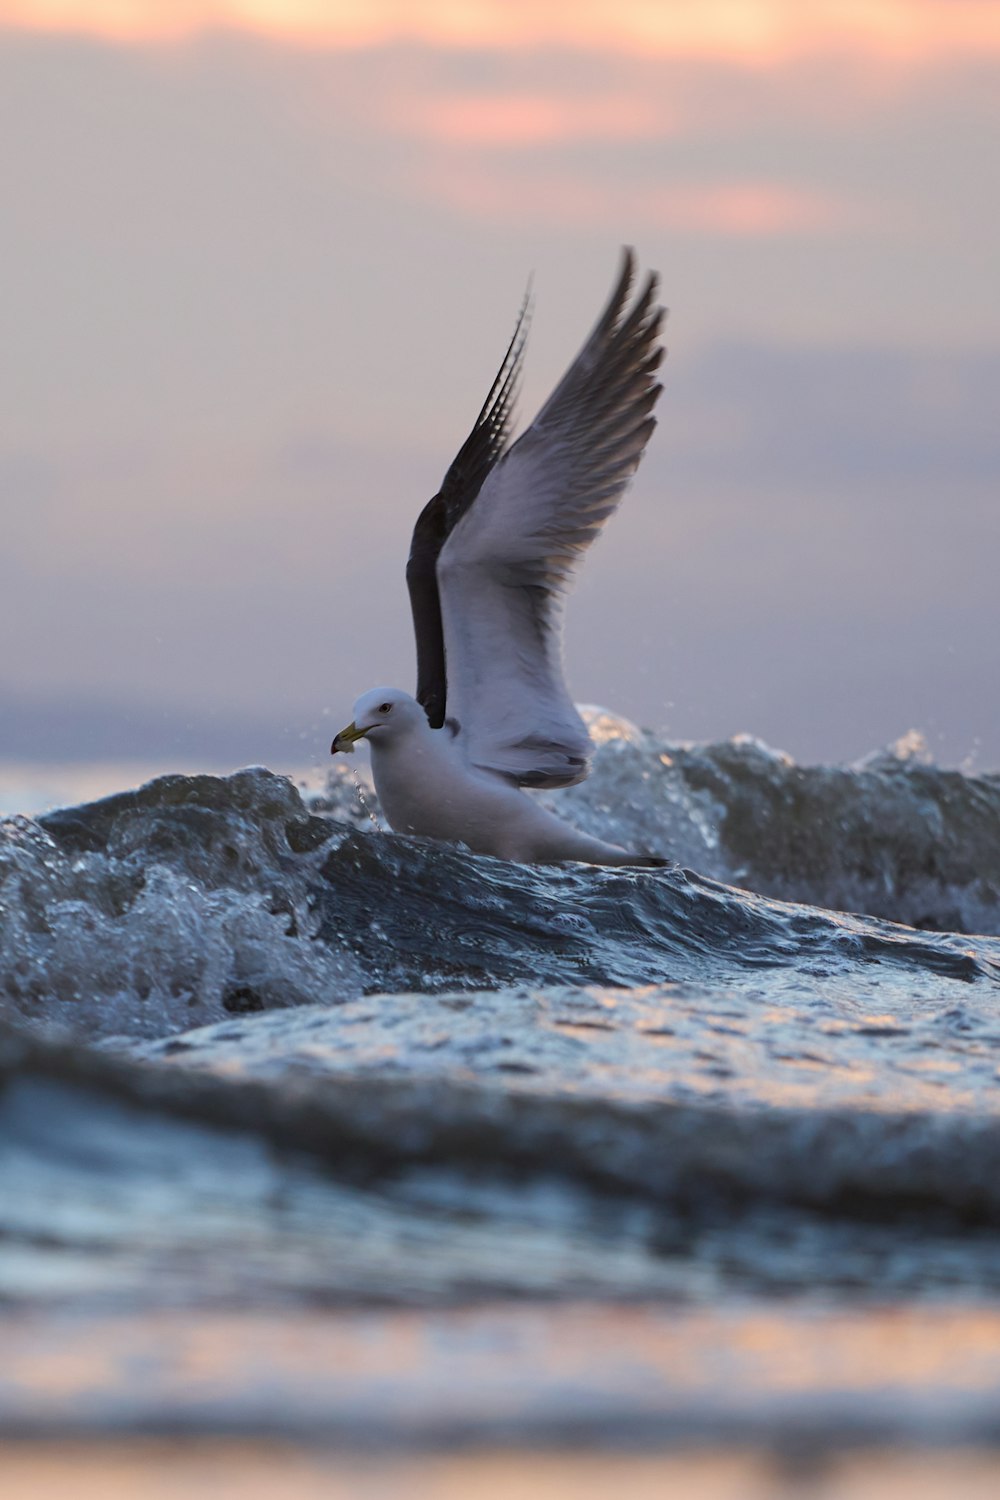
469 120
739 209
749 209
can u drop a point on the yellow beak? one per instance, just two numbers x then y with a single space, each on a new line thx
347 739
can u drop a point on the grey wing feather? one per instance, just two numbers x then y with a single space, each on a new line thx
508 564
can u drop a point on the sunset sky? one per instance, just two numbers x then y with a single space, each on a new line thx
261 260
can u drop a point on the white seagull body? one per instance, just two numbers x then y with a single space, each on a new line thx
492 559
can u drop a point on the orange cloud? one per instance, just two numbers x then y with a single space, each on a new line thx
757 31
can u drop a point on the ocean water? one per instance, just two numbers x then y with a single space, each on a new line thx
340 1136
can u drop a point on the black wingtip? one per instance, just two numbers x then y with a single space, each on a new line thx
504 388
481 451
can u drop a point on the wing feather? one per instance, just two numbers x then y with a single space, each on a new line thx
509 561
481 450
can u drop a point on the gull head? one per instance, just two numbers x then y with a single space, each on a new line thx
381 716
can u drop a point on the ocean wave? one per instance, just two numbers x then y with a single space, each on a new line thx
140 1183
154 910
566 1080
196 897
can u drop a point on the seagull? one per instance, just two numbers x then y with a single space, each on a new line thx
492 559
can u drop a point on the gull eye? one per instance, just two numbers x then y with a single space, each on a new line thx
384 708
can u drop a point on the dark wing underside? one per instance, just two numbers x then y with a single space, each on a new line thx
481 450
506 566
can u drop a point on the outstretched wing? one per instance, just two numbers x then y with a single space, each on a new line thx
462 483
507 566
